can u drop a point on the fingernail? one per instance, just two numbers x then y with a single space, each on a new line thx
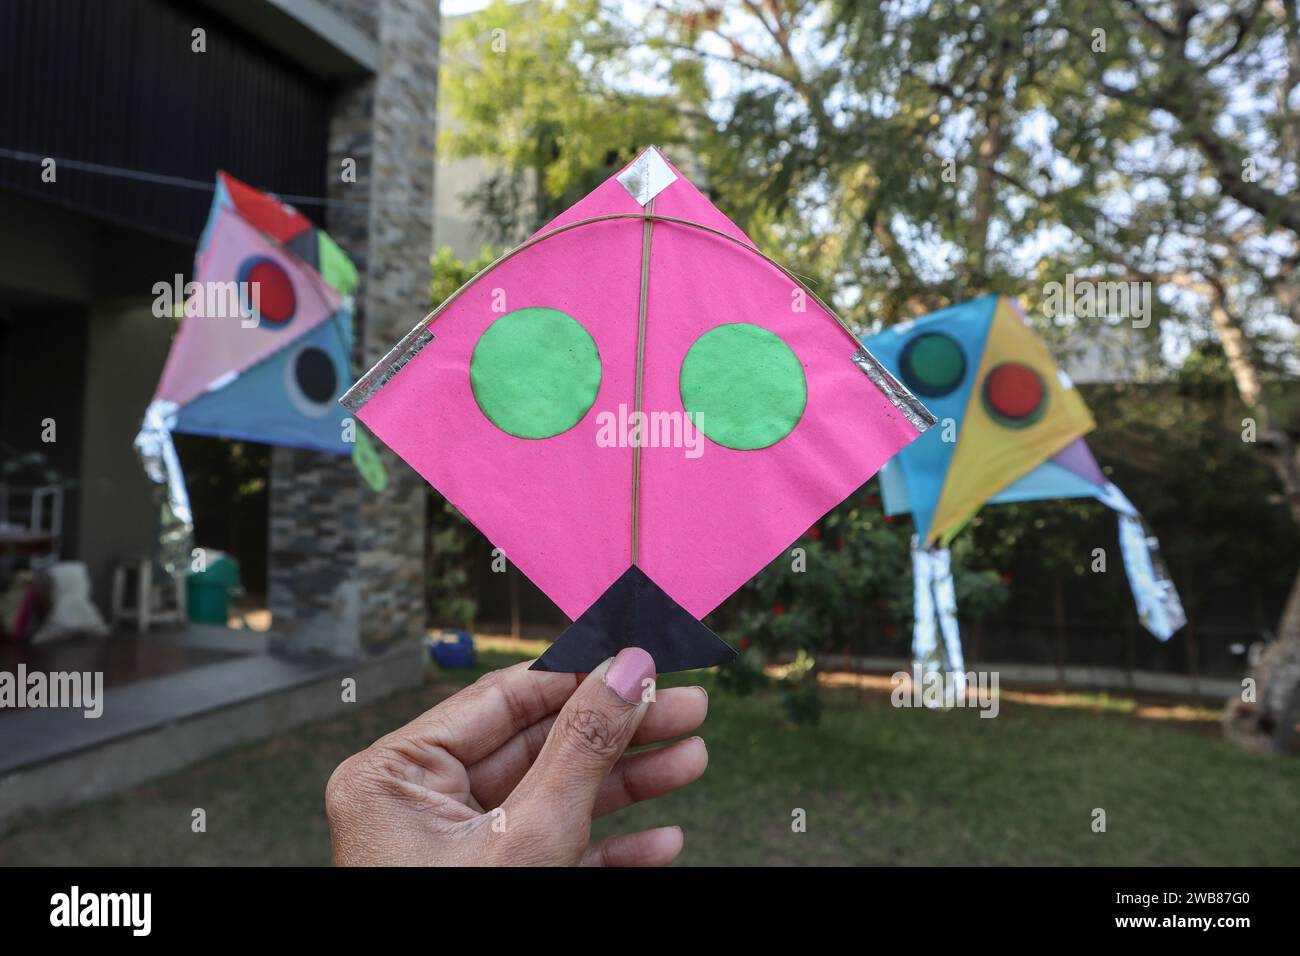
628 673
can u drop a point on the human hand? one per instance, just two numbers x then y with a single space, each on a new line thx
511 771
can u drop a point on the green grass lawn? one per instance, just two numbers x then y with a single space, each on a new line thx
877 785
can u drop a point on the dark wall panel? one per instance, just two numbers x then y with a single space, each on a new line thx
115 82
40 346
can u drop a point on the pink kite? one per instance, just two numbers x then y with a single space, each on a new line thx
641 410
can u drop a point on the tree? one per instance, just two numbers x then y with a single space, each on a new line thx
909 155
547 92
1228 78
1154 142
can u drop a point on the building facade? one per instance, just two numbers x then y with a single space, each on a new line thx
134 105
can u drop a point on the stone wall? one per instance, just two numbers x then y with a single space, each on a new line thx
393 527
347 565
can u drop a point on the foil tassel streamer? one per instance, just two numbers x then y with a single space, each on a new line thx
175 538
1159 608
934 605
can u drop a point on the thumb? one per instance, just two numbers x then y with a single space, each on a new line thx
590 734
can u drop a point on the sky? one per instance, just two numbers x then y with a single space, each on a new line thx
454 8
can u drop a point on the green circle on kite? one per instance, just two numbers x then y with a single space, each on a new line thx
535 372
743 386
932 364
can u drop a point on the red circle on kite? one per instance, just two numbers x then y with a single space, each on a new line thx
275 296
1014 393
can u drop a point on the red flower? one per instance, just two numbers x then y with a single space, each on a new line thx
872 500
815 533
889 519
1006 578
778 610
743 642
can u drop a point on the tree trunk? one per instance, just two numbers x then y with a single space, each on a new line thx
1265 721
985 198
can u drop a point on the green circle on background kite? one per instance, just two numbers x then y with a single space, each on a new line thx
932 364
745 385
535 372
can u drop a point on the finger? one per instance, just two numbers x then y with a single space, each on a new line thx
651 774
657 847
674 712
590 734
477 720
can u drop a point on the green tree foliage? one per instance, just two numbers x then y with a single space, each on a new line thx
548 92
845 576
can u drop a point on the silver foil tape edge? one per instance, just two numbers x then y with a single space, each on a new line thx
388 366
894 390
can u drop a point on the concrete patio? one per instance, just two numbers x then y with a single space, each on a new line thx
171 698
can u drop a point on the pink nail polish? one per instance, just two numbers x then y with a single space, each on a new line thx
628 673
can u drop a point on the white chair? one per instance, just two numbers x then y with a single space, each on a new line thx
31 520
155 602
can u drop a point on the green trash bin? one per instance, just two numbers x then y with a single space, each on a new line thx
208 592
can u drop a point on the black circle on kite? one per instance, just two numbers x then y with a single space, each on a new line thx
1014 395
266 290
311 380
932 364
315 374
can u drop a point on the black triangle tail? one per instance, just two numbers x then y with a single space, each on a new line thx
634 611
